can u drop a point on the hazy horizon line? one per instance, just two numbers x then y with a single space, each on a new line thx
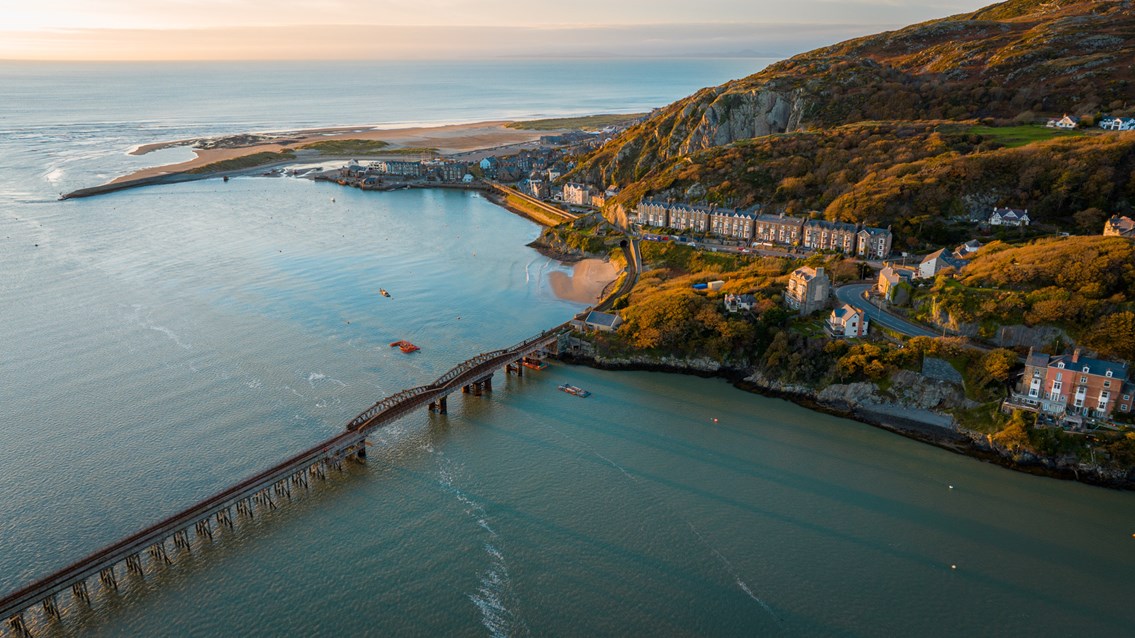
364 42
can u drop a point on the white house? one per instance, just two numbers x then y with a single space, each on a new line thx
969 248
1118 124
1009 217
1066 122
847 321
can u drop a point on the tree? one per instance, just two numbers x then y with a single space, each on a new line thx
998 364
1090 220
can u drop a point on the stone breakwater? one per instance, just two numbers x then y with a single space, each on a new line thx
912 415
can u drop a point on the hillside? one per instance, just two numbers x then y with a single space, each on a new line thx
1012 61
1083 285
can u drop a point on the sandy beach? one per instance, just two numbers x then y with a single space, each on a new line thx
586 282
448 140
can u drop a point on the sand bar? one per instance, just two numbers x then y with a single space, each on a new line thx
585 284
450 139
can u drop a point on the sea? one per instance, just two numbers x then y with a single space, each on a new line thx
161 343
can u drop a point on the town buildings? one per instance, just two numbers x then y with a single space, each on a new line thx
873 243
731 223
688 217
768 230
1073 386
778 230
808 290
578 194
1009 217
847 321
841 237
1119 227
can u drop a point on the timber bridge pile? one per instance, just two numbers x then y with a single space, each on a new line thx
262 491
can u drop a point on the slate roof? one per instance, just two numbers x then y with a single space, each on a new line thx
601 319
1094 366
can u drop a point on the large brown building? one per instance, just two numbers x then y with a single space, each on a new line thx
1071 384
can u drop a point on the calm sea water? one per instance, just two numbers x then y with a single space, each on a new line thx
158 344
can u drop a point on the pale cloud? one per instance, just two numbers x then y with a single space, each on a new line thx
330 29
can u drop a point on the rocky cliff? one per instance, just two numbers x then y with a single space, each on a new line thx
1015 59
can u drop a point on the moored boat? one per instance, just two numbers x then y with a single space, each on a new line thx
576 390
404 346
535 365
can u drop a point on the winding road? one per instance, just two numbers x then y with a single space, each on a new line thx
856 295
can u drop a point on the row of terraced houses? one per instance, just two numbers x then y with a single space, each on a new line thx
778 230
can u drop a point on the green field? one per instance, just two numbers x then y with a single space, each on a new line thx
347 147
246 161
585 123
1014 136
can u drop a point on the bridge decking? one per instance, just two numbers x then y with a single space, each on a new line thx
331 451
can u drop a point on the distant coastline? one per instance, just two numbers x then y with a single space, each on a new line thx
466 141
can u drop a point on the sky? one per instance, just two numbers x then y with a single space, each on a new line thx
442 29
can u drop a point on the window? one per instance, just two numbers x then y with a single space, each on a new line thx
1127 397
1107 384
1083 379
1108 373
1060 365
1124 407
1086 368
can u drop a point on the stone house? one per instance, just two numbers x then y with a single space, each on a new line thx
821 234
808 290
890 278
727 222
778 229
873 243
938 261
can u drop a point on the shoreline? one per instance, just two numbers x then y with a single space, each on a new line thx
470 141
952 440
565 287
445 139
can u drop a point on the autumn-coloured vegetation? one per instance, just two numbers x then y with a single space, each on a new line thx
1085 285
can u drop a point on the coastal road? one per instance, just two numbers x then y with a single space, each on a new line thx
856 295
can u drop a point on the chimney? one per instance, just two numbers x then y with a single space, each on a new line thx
1076 355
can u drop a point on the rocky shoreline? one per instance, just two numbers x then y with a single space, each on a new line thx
915 423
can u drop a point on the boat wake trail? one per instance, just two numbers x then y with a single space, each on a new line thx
725 562
494 598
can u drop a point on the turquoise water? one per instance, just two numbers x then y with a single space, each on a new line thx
159 344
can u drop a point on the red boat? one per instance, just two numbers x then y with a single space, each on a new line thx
404 346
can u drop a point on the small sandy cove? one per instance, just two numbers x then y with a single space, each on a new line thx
586 282
448 140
